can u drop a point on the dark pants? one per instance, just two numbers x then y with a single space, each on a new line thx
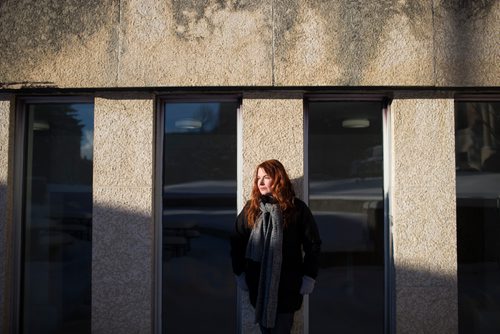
283 325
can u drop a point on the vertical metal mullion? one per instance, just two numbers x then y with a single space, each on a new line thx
239 196
389 302
305 187
17 273
159 118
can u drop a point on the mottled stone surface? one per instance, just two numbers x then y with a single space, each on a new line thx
424 217
69 43
467 42
272 129
123 137
349 43
123 229
119 43
157 43
195 43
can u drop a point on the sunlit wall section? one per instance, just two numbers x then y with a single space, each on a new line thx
423 214
123 229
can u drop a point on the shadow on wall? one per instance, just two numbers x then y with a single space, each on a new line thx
122 267
426 300
298 186
441 302
463 24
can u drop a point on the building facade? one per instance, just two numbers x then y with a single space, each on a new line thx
130 131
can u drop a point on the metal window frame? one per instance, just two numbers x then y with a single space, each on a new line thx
494 97
159 120
389 273
19 199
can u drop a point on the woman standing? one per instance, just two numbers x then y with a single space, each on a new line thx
275 249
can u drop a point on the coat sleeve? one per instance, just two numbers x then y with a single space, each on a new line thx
311 243
239 240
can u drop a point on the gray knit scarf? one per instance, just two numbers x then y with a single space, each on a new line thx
264 246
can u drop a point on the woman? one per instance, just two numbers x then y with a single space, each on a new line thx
275 249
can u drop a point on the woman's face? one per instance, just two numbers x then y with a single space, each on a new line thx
264 182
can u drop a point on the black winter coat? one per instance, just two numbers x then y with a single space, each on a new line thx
300 234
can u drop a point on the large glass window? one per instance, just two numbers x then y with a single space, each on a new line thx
199 210
57 218
477 147
346 198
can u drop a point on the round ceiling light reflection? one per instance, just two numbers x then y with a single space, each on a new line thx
188 124
356 123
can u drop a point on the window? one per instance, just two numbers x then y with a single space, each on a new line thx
346 198
57 218
199 210
477 148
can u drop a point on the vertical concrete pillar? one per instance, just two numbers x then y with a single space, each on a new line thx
424 217
122 233
273 128
6 237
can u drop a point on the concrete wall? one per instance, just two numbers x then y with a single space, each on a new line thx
152 43
424 215
122 226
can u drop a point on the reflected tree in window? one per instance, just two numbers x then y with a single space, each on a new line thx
57 218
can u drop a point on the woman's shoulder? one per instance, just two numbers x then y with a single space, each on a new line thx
299 203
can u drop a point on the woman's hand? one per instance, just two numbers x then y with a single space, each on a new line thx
241 282
307 285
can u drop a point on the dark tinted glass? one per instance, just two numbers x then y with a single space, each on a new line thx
57 219
199 210
346 198
477 147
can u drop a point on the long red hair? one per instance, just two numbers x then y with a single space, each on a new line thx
282 192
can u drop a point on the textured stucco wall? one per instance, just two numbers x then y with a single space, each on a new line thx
122 228
424 217
467 42
204 43
6 169
69 43
137 43
347 42
272 129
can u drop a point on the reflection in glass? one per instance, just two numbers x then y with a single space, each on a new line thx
57 219
346 197
477 148
199 210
